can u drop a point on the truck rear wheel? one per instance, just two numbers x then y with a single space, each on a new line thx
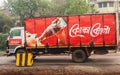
79 56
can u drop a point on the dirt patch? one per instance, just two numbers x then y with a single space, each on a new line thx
50 72
3 55
61 70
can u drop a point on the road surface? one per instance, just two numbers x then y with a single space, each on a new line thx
113 58
96 64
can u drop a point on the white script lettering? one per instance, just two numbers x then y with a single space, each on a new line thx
94 31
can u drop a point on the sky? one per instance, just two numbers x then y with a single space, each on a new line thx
1 2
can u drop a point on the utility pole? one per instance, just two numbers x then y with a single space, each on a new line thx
117 23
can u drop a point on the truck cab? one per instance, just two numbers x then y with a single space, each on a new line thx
15 40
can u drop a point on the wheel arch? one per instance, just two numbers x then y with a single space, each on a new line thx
17 48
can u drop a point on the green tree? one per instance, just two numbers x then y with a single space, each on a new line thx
3 39
22 8
45 8
42 8
77 7
50 8
59 7
70 7
5 23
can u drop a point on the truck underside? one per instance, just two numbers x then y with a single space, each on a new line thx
79 54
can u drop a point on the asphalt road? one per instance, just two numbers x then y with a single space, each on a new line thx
96 64
113 58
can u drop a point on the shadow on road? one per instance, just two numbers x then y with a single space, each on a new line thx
67 60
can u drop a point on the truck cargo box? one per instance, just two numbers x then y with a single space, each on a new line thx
96 30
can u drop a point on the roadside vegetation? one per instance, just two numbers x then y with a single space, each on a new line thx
5 24
2 52
15 11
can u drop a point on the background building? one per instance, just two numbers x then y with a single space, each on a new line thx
106 6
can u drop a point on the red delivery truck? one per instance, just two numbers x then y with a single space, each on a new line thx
78 35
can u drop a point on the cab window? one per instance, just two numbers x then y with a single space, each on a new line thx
15 33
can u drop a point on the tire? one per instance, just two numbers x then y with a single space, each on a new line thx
20 51
79 56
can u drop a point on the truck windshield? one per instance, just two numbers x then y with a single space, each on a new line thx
14 33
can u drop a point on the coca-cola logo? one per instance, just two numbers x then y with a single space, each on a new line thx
94 31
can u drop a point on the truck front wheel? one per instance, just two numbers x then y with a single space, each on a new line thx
20 51
79 56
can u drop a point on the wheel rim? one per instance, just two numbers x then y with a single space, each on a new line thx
79 55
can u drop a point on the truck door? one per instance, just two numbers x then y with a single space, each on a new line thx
15 37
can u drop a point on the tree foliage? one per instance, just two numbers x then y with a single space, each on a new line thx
3 39
43 8
22 8
77 7
59 7
5 23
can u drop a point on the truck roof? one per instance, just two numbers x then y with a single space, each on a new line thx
17 28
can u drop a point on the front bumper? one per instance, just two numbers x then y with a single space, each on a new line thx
10 52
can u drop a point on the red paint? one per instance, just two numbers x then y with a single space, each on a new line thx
99 29
15 41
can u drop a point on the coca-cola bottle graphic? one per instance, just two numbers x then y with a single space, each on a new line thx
55 26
